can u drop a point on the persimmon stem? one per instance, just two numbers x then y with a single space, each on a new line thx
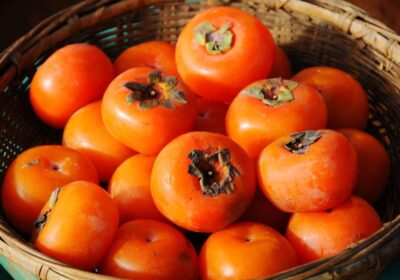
301 142
214 171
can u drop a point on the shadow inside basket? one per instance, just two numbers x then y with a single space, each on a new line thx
307 41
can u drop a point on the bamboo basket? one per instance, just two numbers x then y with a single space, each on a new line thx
312 32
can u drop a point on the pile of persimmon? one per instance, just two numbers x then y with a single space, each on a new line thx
212 138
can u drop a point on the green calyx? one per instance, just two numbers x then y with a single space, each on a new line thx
272 92
216 41
301 142
214 171
157 92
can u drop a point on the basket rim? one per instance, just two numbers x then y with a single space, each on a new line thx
65 23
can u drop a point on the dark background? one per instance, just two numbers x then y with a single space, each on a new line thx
17 17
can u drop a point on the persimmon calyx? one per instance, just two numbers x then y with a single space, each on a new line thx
273 92
42 219
301 141
157 92
216 41
214 170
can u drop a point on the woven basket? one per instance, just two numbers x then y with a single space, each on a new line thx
312 32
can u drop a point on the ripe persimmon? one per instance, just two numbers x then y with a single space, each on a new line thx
210 116
223 49
145 109
345 98
373 164
130 188
281 67
245 250
86 133
268 109
308 170
202 181
150 250
320 234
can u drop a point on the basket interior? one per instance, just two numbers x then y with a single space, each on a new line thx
307 41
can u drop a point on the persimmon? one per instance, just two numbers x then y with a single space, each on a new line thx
77 225
86 133
130 188
268 109
246 250
154 54
34 174
202 181
281 67
221 50
322 234
73 76
345 98
145 109
373 164
150 250
210 116
261 210
308 170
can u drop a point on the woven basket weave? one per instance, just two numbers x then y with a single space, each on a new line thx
312 32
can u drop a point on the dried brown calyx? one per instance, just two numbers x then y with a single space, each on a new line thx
214 171
33 162
42 219
157 92
216 41
301 141
273 92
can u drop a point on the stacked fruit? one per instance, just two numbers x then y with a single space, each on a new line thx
213 137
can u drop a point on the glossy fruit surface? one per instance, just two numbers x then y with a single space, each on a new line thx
150 250
202 181
77 225
34 174
268 109
246 251
86 133
345 98
73 76
145 109
308 171
322 234
223 49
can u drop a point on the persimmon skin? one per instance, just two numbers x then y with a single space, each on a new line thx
130 189
254 125
220 77
150 250
322 234
245 250
155 54
317 180
86 133
145 131
73 76
345 98
373 164
210 116
178 196
80 227
26 189
281 67
261 210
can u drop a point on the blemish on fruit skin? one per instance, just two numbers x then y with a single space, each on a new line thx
184 257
